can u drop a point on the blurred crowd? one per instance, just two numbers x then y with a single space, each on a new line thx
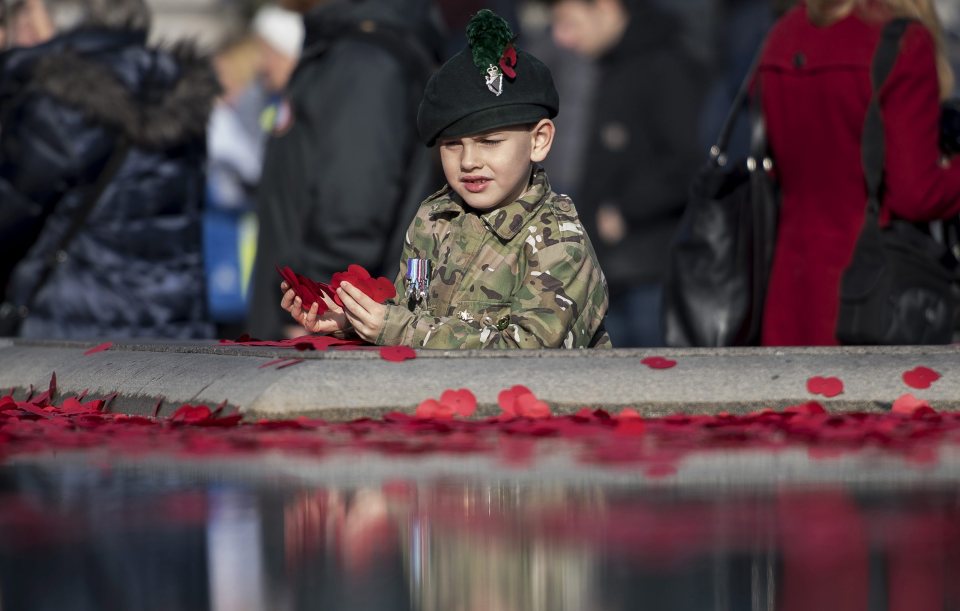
151 189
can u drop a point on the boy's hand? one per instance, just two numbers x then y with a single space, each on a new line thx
365 314
331 321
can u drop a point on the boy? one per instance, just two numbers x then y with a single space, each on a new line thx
495 259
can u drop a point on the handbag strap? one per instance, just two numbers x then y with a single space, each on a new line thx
117 156
718 151
874 143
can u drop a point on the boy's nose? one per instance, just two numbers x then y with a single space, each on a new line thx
469 160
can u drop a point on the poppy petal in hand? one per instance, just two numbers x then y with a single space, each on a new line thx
307 290
379 289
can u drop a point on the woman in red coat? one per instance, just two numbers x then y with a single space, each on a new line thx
815 86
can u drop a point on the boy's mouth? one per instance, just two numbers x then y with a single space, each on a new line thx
475 184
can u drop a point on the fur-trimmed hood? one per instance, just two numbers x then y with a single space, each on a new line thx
159 97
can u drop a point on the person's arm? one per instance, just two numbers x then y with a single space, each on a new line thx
544 312
364 132
919 186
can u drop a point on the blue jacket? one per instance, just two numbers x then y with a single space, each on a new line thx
135 268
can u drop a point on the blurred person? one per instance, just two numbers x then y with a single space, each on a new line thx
91 102
815 82
25 23
641 151
343 170
575 76
253 72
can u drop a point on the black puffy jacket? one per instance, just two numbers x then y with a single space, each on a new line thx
134 269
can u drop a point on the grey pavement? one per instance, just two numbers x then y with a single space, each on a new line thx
349 384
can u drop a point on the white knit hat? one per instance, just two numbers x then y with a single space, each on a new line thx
279 28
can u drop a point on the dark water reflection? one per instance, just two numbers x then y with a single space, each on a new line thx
89 538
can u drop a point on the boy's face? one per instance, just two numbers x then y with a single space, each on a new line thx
492 169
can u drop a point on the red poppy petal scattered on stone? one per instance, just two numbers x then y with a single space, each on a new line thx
463 402
810 408
431 408
658 362
920 377
631 427
827 387
507 398
397 354
529 406
99 348
908 404
191 414
290 363
271 363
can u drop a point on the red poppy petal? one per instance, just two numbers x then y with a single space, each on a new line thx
462 402
658 362
507 61
397 354
191 414
828 387
529 406
920 377
98 348
290 363
631 427
507 398
908 404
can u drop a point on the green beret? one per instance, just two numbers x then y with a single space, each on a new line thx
488 85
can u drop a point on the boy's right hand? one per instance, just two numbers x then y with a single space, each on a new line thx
332 321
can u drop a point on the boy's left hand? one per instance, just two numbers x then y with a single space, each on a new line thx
365 314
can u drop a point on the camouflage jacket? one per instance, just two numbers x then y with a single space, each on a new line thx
521 276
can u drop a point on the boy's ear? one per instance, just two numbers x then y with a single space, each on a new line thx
541 137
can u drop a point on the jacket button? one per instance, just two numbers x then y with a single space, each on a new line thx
563 205
61 256
799 60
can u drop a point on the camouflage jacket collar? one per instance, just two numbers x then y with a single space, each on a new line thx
505 222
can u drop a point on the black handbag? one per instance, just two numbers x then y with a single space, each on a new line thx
901 284
720 259
13 314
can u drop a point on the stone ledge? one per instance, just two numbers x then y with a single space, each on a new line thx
357 383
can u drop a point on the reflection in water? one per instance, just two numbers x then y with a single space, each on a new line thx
233 540
85 538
